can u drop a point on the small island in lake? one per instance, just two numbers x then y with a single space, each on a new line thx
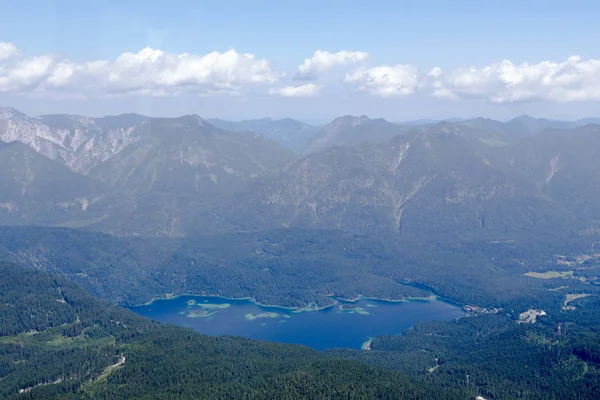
199 314
211 306
353 309
252 317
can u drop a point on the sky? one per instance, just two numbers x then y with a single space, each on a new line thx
309 60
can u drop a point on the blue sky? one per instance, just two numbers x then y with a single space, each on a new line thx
466 40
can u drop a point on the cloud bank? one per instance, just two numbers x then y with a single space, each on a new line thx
153 72
322 61
504 82
306 90
147 72
385 80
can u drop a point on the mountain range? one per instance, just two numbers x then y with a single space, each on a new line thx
422 183
139 176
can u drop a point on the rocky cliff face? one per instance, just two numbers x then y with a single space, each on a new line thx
80 143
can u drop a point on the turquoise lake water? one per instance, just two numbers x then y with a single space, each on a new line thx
343 325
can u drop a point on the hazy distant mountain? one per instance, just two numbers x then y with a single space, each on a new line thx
565 165
171 176
37 190
78 142
179 165
481 140
156 174
587 121
183 155
423 183
66 121
349 130
488 124
288 132
427 121
417 122
524 126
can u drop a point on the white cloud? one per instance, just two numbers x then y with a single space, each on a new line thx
444 94
504 82
306 90
435 72
322 61
149 71
7 50
386 80
157 73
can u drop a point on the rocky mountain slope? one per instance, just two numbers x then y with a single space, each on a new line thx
78 142
186 155
177 168
564 165
156 175
37 190
431 182
176 176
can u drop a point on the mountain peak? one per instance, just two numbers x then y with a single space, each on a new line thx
189 120
352 130
523 118
350 120
199 120
12 113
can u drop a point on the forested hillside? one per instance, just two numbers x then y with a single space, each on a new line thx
493 355
295 267
58 342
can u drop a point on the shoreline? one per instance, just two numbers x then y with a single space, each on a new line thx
366 346
308 308
431 297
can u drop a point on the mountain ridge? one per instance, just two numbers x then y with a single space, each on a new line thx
174 176
432 180
289 132
351 130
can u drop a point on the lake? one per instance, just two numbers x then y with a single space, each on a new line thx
345 324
